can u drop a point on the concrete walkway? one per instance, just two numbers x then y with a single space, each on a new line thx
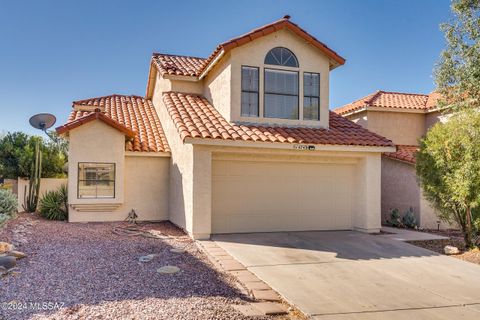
409 235
349 275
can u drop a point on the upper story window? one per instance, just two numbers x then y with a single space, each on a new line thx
249 91
281 57
311 96
281 94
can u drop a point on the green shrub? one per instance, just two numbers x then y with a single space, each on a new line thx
409 219
8 205
395 220
54 204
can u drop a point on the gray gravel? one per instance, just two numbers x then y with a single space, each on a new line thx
91 273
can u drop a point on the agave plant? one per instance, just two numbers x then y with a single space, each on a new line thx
54 204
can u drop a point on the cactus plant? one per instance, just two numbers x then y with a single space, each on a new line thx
31 200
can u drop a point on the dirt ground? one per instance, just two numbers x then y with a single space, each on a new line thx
86 271
456 240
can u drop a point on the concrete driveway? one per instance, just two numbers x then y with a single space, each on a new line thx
350 275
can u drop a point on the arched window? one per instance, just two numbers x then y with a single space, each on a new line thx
281 57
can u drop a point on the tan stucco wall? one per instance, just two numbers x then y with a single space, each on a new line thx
46 184
253 54
165 85
400 190
400 127
217 87
140 182
181 167
360 118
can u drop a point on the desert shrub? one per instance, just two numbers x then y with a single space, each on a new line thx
54 204
395 220
409 220
8 205
8 202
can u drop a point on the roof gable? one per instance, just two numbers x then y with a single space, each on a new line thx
96 115
392 100
199 67
133 115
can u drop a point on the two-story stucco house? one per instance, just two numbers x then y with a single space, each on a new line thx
241 141
403 118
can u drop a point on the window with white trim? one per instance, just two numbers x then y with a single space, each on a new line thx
250 91
311 96
96 180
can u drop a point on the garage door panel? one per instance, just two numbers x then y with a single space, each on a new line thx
250 196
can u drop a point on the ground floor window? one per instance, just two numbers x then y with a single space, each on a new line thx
96 180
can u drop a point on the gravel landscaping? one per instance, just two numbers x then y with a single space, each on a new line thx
456 240
85 271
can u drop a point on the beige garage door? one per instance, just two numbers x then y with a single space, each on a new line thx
255 196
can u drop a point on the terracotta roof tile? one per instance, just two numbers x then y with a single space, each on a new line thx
133 112
383 99
404 153
193 66
177 65
195 117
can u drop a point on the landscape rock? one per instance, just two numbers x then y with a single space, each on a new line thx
16 254
177 250
8 262
451 250
146 258
5 246
168 269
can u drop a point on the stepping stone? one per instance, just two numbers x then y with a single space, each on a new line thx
271 308
232 265
16 254
248 310
245 276
146 258
258 309
268 295
177 250
256 285
168 270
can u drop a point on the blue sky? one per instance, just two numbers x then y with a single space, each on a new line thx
54 52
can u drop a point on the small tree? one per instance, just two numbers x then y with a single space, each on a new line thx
448 168
17 155
457 75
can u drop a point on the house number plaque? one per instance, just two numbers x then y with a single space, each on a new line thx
308 147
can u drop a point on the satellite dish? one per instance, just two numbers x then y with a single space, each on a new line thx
42 121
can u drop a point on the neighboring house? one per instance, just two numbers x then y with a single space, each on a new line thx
403 118
242 141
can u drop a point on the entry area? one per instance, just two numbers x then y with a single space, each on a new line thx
265 195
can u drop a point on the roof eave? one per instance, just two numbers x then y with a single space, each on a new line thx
288 146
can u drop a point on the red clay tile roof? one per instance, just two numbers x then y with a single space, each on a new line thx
91 116
195 117
384 99
178 65
135 113
193 66
404 153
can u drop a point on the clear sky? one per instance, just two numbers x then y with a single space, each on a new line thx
55 51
